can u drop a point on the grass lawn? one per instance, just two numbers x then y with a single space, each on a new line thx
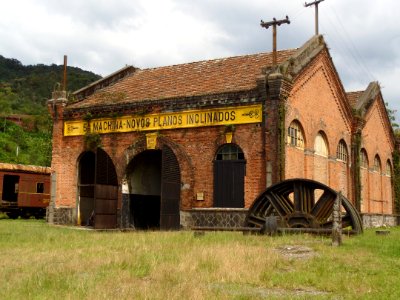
39 261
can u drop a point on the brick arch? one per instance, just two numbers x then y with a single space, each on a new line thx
299 125
225 144
296 160
341 168
236 140
389 168
376 193
185 164
377 163
321 137
321 154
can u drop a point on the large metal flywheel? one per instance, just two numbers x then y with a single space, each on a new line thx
301 204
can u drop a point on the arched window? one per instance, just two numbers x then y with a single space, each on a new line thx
388 168
295 135
377 164
229 173
320 145
363 159
229 152
341 151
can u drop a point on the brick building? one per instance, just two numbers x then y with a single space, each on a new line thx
194 144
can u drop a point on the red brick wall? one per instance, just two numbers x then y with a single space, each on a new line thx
195 150
365 204
317 103
376 141
295 162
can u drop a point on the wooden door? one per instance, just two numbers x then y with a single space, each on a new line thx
170 191
105 192
105 206
229 183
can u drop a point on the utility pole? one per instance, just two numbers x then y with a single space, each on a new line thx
273 23
315 3
65 74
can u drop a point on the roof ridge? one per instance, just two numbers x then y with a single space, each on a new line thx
218 59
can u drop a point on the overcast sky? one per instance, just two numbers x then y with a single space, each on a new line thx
103 36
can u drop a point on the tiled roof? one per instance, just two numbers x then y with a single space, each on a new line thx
353 97
224 75
25 168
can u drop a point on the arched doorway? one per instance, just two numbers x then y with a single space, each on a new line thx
154 190
97 190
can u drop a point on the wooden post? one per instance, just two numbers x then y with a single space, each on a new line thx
337 221
273 23
65 74
315 3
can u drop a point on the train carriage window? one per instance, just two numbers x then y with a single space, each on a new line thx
40 187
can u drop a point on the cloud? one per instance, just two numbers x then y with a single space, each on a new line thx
105 35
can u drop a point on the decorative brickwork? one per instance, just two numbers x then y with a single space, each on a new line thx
213 217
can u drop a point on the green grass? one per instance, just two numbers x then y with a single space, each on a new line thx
39 261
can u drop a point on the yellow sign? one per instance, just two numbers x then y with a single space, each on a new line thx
185 119
151 140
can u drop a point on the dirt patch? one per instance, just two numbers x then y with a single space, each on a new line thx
296 251
238 290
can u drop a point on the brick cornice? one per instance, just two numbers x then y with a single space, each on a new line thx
176 104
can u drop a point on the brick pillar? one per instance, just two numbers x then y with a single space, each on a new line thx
355 171
278 89
56 107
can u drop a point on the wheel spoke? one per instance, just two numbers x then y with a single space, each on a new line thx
255 221
282 205
303 197
324 207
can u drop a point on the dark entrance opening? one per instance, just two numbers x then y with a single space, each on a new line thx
154 187
10 188
98 190
145 189
86 185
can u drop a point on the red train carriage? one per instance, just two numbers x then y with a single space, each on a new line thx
24 190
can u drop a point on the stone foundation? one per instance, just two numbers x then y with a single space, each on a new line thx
62 215
372 220
213 217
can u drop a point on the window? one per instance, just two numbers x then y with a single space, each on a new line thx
377 164
341 151
363 159
230 152
40 187
320 145
388 168
295 135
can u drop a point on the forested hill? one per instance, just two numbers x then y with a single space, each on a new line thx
24 91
